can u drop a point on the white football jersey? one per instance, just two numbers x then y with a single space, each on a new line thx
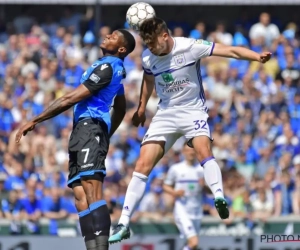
185 177
177 75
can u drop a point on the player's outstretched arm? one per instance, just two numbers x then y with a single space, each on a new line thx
119 111
170 190
57 107
240 53
146 91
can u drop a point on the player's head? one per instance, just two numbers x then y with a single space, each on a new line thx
155 34
189 153
119 43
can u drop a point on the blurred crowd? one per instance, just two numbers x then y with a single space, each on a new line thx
254 116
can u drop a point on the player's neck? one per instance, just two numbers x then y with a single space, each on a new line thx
108 53
190 163
170 44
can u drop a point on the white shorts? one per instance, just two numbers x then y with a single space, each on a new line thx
187 227
170 124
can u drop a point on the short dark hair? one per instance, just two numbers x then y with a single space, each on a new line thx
151 28
128 40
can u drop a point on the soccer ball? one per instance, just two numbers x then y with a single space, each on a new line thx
137 13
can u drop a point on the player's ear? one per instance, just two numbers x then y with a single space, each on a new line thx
122 50
165 36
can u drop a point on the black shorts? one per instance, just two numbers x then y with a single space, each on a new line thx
88 147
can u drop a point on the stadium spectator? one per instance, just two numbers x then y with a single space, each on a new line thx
54 208
31 210
11 208
264 29
155 206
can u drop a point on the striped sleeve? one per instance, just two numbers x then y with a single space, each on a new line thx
147 71
146 62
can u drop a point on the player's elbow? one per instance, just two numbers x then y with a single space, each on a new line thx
225 51
233 52
68 101
167 188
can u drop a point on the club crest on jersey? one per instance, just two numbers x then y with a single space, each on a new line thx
179 60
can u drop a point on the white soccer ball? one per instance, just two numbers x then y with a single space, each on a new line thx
137 13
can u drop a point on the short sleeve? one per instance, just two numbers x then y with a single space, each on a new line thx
171 177
146 64
202 48
99 78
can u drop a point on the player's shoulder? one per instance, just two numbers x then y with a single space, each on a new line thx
99 69
189 42
108 61
146 55
101 65
177 166
147 58
183 42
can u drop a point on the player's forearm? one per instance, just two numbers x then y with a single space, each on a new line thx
146 91
116 119
243 54
57 107
168 189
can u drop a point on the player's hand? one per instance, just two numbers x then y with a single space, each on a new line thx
179 193
24 130
138 118
264 57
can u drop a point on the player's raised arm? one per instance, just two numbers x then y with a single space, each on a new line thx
57 107
146 91
99 78
240 53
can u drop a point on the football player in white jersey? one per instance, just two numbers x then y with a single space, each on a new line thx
172 66
183 181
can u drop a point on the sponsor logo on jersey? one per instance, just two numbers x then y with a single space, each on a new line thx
201 41
87 165
191 186
179 60
171 85
167 77
94 78
174 83
121 72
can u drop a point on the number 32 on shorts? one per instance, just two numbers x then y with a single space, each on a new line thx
200 124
